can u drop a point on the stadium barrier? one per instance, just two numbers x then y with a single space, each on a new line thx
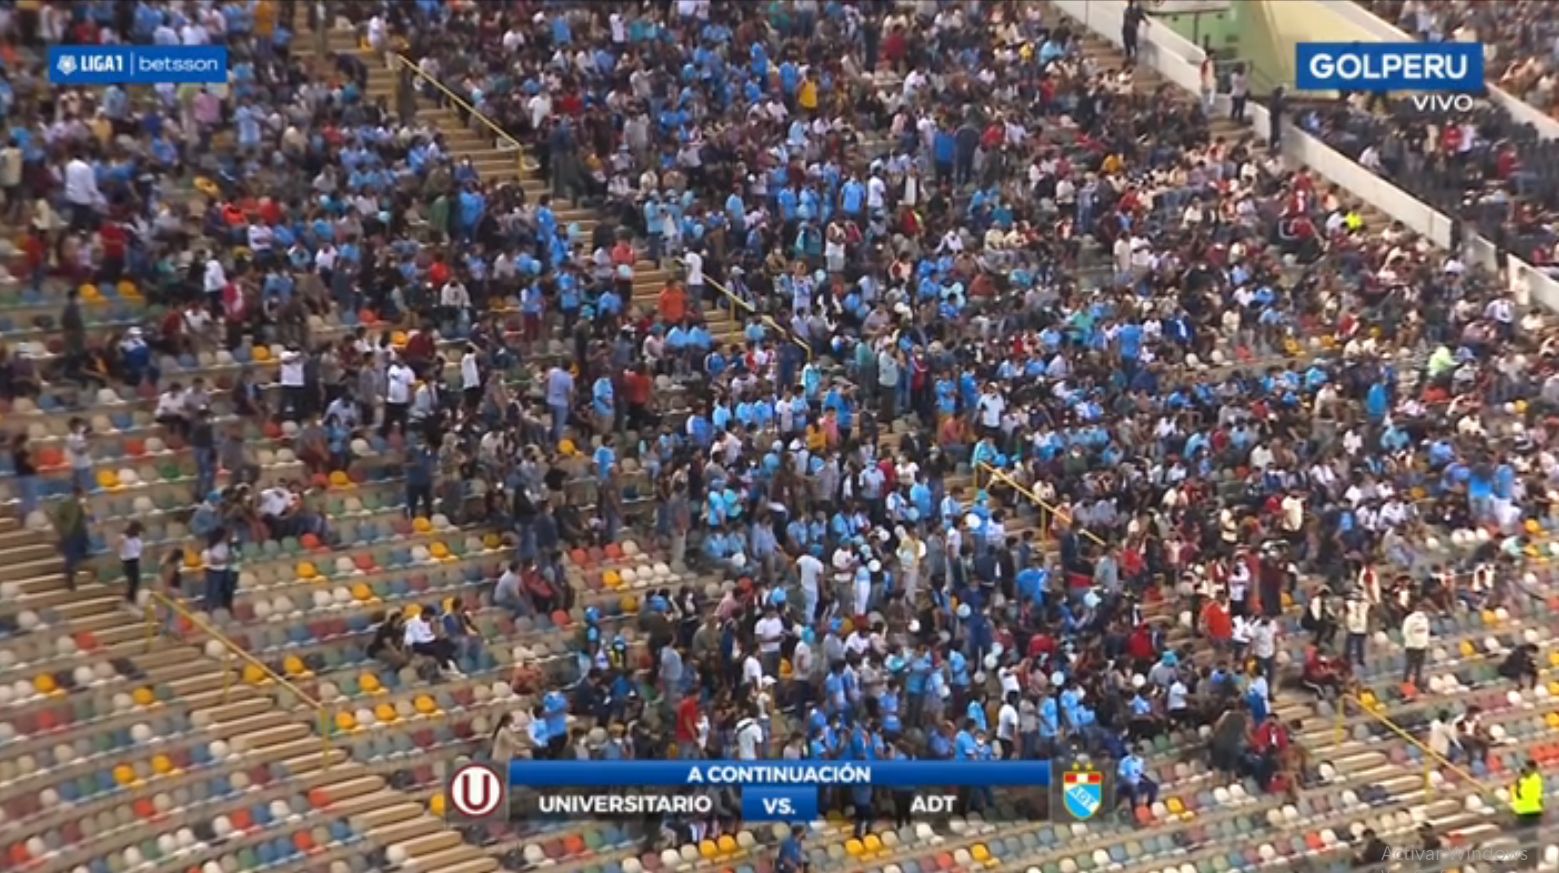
504 140
1430 756
1179 60
231 652
1047 510
737 303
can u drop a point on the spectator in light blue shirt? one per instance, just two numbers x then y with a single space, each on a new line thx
1131 782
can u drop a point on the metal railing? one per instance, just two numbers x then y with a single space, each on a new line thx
399 61
752 310
1048 510
1430 756
234 653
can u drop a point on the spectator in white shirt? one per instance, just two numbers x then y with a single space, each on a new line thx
294 395
173 411
1415 642
82 194
749 737
471 377
421 640
399 379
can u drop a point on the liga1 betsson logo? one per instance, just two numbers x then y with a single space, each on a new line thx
137 65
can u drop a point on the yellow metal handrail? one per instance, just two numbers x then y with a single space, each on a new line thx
235 651
498 131
1042 503
1430 755
753 310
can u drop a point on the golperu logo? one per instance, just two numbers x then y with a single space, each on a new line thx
1334 66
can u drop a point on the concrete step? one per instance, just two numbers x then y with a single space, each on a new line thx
406 830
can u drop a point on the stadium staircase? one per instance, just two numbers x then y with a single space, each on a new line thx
494 162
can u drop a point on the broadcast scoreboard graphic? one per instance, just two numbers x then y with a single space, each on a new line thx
774 791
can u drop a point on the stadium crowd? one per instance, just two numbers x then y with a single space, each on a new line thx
1519 37
1061 403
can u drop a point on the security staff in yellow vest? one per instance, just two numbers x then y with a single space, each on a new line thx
1526 796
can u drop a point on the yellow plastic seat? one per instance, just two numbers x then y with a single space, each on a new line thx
872 842
307 570
566 448
191 560
491 541
436 804
425 705
1174 806
727 844
107 479
385 713
421 525
293 665
253 674
399 338
345 721
980 853
439 551
1466 649
45 684
629 603
143 696
124 774
162 765
707 850
260 354
1489 617
612 579
339 479
853 848
361 592
369 683
1552 720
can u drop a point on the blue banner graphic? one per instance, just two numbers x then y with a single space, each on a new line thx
779 804
137 64
1389 66
715 774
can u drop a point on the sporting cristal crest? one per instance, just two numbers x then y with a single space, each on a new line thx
1083 793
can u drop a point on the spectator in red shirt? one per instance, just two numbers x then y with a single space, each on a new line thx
638 391
688 718
1217 623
